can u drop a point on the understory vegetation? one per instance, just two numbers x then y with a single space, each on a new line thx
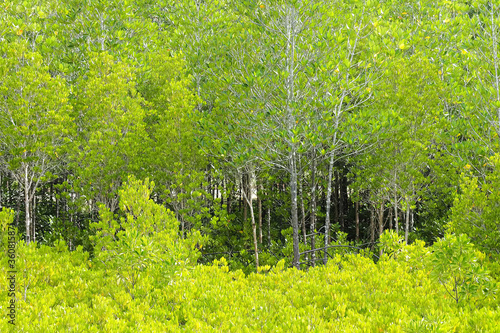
139 284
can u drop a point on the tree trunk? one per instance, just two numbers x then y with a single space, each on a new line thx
269 224
33 218
342 196
313 212
244 185
396 214
259 203
381 222
229 201
407 223
336 198
327 208
381 219
390 218
412 224
57 207
303 216
27 206
248 199
294 208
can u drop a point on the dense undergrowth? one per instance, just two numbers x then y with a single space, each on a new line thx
131 285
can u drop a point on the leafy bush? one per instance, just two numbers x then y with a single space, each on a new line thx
458 268
476 211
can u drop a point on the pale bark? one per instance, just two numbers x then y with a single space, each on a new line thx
243 190
381 219
33 219
336 198
313 212
27 205
303 216
259 202
248 199
396 215
291 34
328 206
295 217
407 222
269 224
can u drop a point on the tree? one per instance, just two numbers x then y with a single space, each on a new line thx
147 236
111 132
35 122
285 85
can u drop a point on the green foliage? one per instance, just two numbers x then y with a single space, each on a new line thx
400 97
8 233
59 290
476 210
458 267
147 236
111 130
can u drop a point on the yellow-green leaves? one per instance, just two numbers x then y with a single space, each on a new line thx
111 135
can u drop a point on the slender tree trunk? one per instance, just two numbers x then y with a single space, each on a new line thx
303 216
244 190
248 199
327 208
291 32
313 211
390 218
229 197
412 220
269 224
381 219
341 197
33 217
18 210
209 182
396 214
27 205
336 198
240 190
407 223
57 207
259 203
357 221
294 208
381 222
223 191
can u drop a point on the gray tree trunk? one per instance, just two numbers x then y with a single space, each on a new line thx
407 222
248 199
27 205
313 212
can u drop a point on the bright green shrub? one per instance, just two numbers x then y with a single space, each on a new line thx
476 211
458 268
